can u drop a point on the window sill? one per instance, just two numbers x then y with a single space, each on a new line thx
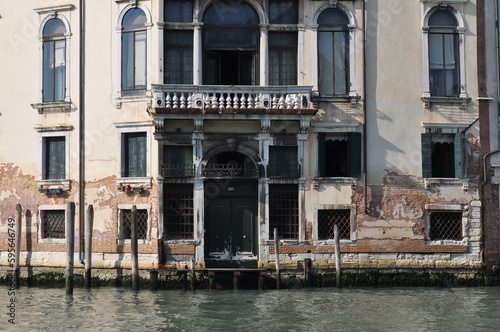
463 243
134 184
353 100
332 242
129 242
52 106
48 240
341 180
284 242
184 242
446 181
463 101
143 97
53 186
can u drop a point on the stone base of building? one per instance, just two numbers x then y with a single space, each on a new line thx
289 277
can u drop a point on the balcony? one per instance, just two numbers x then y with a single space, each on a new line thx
230 170
229 99
176 170
283 171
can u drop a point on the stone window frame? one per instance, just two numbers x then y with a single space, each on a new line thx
119 234
120 98
447 128
57 106
60 131
331 128
133 127
462 208
463 99
41 210
353 96
351 207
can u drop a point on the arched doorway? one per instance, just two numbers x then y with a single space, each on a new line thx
231 39
231 214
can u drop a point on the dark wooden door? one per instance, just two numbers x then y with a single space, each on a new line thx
231 230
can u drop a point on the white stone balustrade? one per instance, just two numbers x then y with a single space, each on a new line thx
235 97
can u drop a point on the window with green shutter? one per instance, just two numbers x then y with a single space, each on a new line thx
135 156
442 155
339 155
55 158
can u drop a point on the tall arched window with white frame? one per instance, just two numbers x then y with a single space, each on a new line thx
134 51
54 61
333 53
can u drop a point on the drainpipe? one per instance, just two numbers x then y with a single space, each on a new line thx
365 154
483 98
81 210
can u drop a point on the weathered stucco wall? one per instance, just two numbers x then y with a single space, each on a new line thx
389 222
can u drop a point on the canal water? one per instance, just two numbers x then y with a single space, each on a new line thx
325 309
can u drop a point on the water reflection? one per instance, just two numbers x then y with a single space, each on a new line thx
388 309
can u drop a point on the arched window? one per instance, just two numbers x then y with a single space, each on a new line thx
443 54
134 51
54 60
230 43
333 52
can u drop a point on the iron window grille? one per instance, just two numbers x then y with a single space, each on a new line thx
53 224
177 170
142 224
445 226
284 210
178 211
177 161
283 162
327 219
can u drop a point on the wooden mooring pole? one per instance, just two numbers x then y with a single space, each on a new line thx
88 245
17 244
277 254
134 248
338 261
193 274
70 246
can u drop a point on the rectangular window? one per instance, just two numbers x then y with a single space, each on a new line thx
53 224
133 62
282 58
178 11
178 57
126 224
135 154
177 161
178 211
442 155
283 11
333 52
283 162
54 167
445 225
443 64
327 219
54 70
284 210
339 155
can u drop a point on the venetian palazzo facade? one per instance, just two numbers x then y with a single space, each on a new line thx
223 121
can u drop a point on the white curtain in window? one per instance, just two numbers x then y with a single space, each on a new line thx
140 59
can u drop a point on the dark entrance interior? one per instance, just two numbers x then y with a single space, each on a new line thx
231 223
